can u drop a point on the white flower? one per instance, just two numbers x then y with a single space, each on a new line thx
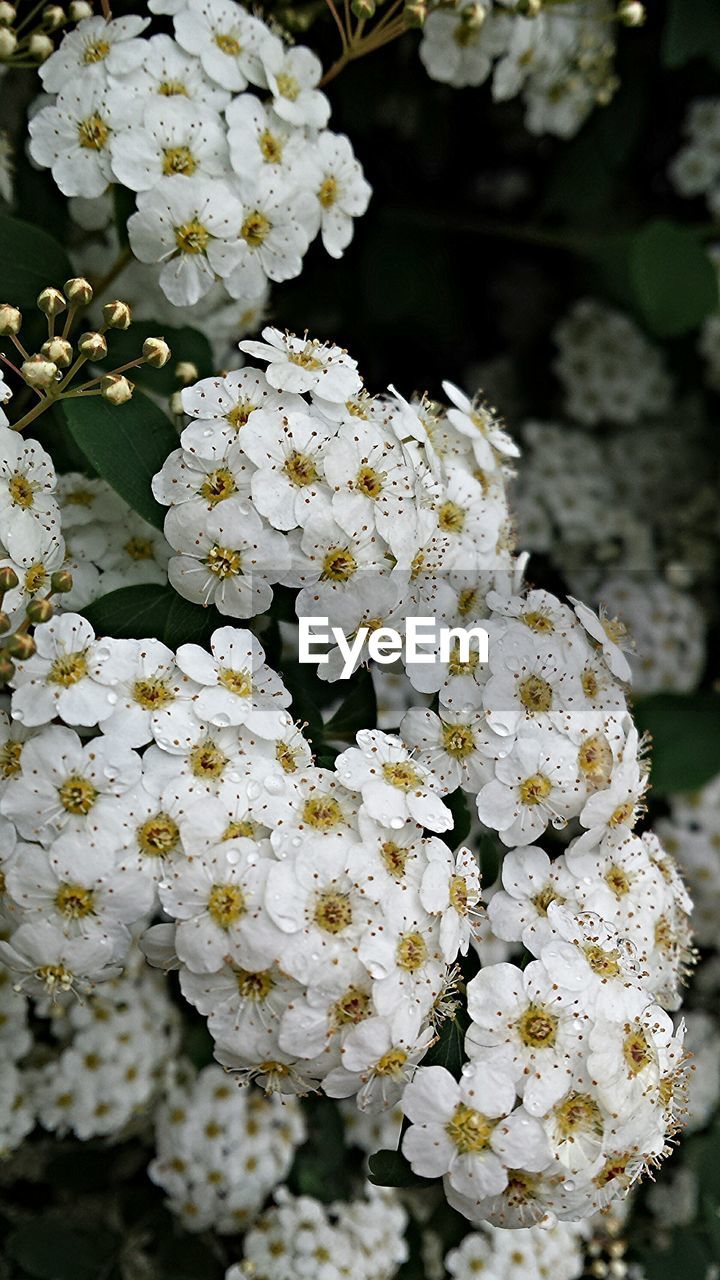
204 482
403 956
535 783
73 136
302 364
491 445
521 1021
530 884
607 632
292 76
450 887
27 481
168 71
287 453
58 680
454 747
258 139
453 51
185 224
175 137
228 41
329 171
143 680
465 1130
222 408
236 685
394 786
95 49
379 1056
49 964
271 237
227 558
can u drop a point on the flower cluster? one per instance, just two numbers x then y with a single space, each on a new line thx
695 170
529 1253
560 59
611 373
229 185
377 509
363 1238
692 834
667 627
221 1149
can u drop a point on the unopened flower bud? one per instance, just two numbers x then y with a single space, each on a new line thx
8 578
415 13
92 345
117 315
21 647
40 46
116 388
80 9
39 611
78 291
631 13
4 623
38 371
474 16
51 302
53 16
10 319
7 669
59 350
176 405
61 581
529 8
7 12
363 8
186 372
156 352
8 43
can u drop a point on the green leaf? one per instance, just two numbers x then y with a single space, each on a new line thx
126 445
51 1250
185 344
685 730
132 613
458 805
692 30
31 260
358 710
449 1049
674 282
391 1169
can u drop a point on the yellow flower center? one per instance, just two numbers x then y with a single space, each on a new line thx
239 414
77 795
207 760
68 669
237 682
333 911
469 1130
178 160
287 87
395 857
158 835
10 756
590 684
172 89
139 549
74 901
228 44
286 757
451 518
538 621
21 490
223 562
604 963
617 880
411 952
339 565
151 694
595 759
255 229
300 470
458 667
95 51
352 1007
192 237
368 482
93 133
255 986
400 774
270 147
322 812
542 900
226 904
391 1063
636 1051
537 1027
327 192
535 789
578 1112
458 740
458 893
535 694
35 578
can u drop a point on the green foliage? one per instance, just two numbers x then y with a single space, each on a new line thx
449 1048
458 805
48 1248
185 344
151 610
31 260
685 730
391 1169
692 30
125 444
358 709
674 282
321 1167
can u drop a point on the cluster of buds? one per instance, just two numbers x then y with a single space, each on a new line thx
30 39
16 643
51 373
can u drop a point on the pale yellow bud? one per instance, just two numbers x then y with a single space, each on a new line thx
186 372
631 13
117 314
156 352
80 9
51 302
116 388
53 16
39 611
92 345
415 13
61 581
38 371
59 350
7 12
21 647
78 291
10 319
363 8
8 43
40 46
176 405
